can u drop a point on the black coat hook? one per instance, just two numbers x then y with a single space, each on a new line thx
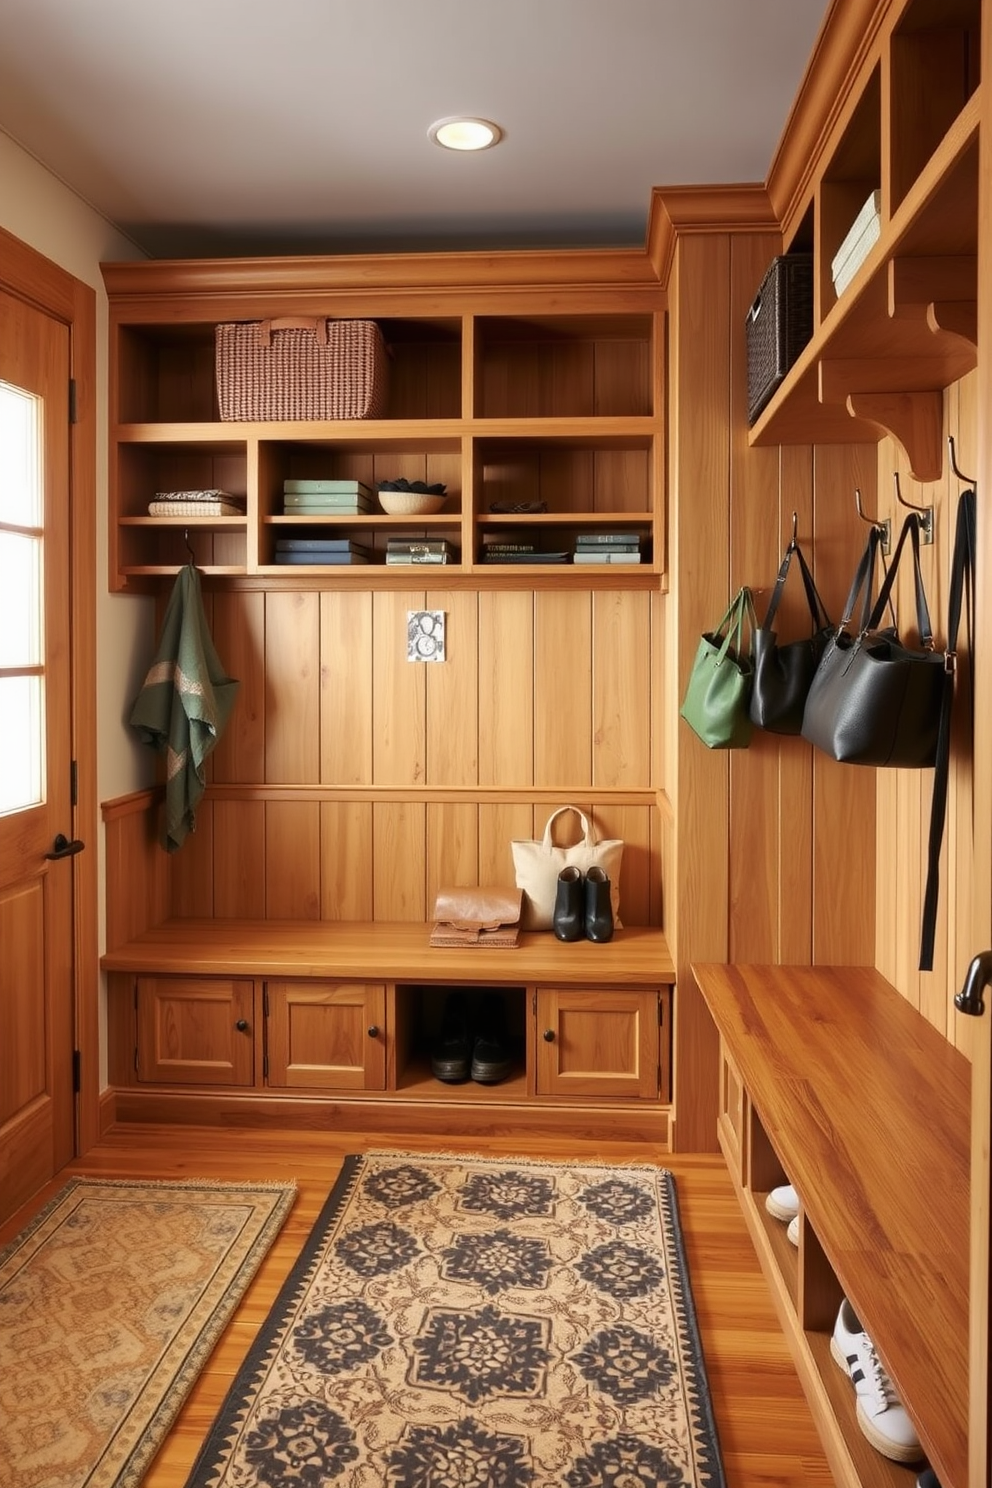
883 524
954 464
925 513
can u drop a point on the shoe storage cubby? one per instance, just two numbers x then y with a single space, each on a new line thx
903 328
883 1218
419 1014
560 415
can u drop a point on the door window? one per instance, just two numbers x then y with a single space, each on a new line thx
22 737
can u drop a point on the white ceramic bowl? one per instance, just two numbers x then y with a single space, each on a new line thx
410 503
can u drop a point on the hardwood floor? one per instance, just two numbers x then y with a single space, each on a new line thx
766 1434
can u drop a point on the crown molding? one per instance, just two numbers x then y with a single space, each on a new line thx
678 210
847 36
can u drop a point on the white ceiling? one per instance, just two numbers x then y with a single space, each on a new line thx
201 127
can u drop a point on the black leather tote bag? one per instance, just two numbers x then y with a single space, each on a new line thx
874 701
783 672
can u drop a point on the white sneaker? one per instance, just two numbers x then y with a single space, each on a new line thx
783 1203
881 1415
792 1233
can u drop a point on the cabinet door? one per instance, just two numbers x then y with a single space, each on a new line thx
195 1030
326 1034
602 1041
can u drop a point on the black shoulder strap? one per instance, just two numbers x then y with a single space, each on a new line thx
961 596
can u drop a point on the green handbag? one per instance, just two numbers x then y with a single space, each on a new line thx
717 700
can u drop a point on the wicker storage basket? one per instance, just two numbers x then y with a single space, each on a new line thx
301 369
779 323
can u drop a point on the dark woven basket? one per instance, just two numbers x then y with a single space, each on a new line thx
779 324
293 369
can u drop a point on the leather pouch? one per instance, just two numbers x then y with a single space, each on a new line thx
477 917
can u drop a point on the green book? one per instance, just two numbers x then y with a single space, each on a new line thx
326 488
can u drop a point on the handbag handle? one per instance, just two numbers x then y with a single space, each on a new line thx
911 529
741 607
817 609
864 578
588 837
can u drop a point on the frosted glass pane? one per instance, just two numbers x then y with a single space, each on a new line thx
20 457
20 600
21 743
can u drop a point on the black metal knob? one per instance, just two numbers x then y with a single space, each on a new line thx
374 1031
242 1025
549 1035
978 976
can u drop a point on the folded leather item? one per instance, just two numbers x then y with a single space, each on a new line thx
477 916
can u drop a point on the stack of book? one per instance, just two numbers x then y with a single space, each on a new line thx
326 498
607 547
522 552
864 233
419 550
211 503
321 550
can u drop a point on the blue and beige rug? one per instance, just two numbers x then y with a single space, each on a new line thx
477 1323
110 1302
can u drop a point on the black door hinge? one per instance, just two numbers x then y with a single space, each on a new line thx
73 414
76 1077
73 783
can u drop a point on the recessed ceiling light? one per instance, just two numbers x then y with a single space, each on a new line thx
459 133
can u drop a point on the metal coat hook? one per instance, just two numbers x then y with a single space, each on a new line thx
954 464
189 546
795 527
925 512
884 525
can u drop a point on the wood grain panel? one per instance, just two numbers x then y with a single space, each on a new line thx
700 339
453 694
562 688
399 858
292 688
640 871
399 743
452 849
346 862
137 869
346 686
239 636
795 764
192 866
622 481
843 795
499 825
239 860
622 664
623 378
756 825
506 689
292 860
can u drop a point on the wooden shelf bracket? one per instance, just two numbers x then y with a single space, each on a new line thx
915 422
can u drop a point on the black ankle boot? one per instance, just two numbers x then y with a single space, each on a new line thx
599 907
569 920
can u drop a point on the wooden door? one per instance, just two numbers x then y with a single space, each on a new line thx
327 1035
598 1042
37 1016
195 1030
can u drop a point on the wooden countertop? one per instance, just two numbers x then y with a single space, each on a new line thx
867 1106
389 952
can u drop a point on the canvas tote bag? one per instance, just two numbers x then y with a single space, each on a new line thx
536 866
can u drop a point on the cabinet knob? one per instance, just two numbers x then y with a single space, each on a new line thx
374 1031
549 1035
242 1025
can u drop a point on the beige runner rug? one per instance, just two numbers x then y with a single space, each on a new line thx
110 1302
462 1322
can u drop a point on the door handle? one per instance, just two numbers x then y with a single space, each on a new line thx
63 848
977 978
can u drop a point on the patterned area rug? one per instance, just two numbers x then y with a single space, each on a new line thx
477 1323
110 1302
